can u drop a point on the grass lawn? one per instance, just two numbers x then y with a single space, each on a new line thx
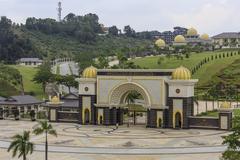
6 89
208 70
29 86
204 74
213 113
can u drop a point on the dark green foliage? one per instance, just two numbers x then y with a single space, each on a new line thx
232 141
129 32
13 46
84 28
46 129
21 145
113 30
102 62
11 76
44 75
67 80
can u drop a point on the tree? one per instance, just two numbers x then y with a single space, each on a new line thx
129 32
131 97
233 141
102 62
45 128
113 30
68 80
13 46
21 145
213 93
121 58
12 76
231 92
43 75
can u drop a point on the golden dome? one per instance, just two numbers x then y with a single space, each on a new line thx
160 43
192 32
55 100
225 105
181 73
179 39
90 72
204 36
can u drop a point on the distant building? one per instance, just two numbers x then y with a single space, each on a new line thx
227 40
192 38
180 31
168 36
34 62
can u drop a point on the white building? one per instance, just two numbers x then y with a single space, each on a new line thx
227 40
34 62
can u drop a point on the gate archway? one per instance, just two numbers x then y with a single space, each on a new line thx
119 93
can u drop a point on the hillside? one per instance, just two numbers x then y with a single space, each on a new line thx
80 37
207 71
29 86
8 89
63 45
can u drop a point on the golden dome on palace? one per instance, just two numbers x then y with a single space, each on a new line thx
225 105
179 39
160 43
181 73
55 100
204 36
192 32
89 72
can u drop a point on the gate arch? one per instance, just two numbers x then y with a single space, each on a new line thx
118 93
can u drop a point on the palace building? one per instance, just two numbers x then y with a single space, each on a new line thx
167 95
192 38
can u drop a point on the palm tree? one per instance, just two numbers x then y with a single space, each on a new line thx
21 144
130 99
45 128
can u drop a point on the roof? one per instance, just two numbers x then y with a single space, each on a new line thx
2 98
70 103
227 35
71 96
30 60
20 100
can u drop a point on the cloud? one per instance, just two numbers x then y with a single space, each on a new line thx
210 18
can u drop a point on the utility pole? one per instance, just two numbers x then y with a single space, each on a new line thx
59 9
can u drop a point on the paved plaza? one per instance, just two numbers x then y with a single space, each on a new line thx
100 142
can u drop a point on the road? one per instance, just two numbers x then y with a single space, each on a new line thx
126 151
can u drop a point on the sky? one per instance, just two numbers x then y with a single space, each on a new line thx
207 16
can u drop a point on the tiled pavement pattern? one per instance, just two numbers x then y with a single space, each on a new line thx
124 138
